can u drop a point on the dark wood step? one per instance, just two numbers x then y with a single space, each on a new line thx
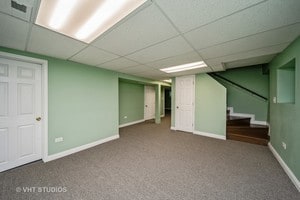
248 139
238 121
251 131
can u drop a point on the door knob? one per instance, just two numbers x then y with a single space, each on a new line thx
38 119
146 105
177 107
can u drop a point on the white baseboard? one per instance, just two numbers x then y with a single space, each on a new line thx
162 115
212 135
173 128
287 170
252 120
131 123
80 148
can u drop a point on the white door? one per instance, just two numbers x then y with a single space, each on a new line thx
149 111
20 109
184 103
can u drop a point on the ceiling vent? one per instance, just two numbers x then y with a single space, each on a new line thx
21 9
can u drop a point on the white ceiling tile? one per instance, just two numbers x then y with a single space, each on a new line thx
46 42
153 74
118 63
169 48
176 60
192 14
265 39
5 7
263 17
134 70
93 56
249 54
250 61
147 27
13 32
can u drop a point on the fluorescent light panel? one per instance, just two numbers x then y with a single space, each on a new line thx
84 20
184 67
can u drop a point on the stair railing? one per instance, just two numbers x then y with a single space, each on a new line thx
216 76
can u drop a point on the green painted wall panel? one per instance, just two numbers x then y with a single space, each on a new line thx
251 78
162 102
157 103
242 101
173 102
284 117
131 102
83 104
210 105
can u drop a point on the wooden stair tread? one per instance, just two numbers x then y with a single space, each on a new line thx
236 117
238 122
248 139
248 131
251 126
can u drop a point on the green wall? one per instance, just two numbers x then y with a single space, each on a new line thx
83 104
210 105
284 117
242 101
173 102
131 102
251 78
162 102
83 101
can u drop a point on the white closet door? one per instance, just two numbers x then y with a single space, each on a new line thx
184 103
149 111
20 111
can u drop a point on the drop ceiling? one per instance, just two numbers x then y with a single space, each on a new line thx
164 33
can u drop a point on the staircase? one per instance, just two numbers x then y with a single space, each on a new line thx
240 129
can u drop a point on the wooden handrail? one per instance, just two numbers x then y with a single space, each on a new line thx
238 85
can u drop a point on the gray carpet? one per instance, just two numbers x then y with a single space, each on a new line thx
151 162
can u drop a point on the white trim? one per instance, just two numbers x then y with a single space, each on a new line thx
252 120
131 123
173 128
211 135
80 148
44 69
287 170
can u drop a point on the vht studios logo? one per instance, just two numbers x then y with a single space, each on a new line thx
41 189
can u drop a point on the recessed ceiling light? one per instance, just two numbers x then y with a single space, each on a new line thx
184 67
84 20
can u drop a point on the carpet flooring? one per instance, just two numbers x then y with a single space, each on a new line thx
150 161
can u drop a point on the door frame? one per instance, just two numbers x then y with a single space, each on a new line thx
44 97
193 104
